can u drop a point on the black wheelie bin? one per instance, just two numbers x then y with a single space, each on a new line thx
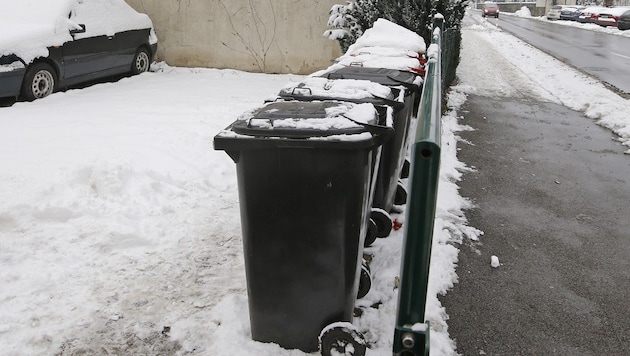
303 170
393 88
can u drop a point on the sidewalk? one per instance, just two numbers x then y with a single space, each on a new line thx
552 192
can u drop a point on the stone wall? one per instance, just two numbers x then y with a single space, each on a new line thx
270 36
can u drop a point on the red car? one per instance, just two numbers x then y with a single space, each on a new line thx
609 17
589 15
490 9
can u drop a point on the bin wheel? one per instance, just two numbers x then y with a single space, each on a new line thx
383 222
364 263
370 236
365 281
342 338
404 171
400 197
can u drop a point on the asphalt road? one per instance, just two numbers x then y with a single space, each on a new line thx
552 191
602 55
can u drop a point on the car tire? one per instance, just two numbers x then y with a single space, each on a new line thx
39 81
141 61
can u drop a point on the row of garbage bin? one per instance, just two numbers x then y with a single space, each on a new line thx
318 172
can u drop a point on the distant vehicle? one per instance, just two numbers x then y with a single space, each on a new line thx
50 45
609 16
623 23
589 14
554 12
571 13
490 9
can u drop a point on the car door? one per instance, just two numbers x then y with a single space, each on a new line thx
88 55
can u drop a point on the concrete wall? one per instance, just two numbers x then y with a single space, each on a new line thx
271 36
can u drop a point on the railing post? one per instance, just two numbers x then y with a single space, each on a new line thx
411 336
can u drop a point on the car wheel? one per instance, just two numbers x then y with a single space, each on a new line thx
39 82
140 62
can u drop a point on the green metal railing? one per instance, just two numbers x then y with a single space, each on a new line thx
411 336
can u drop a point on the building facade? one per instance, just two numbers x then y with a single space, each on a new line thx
269 36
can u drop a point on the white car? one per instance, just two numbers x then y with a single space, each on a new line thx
47 45
554 12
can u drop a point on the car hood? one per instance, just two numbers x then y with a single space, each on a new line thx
29 27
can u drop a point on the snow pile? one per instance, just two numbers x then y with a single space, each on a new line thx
385 33
385 45
523 12
494 261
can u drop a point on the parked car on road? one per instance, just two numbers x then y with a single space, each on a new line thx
589 14
570 13
50 45
609 16
490 9
623 23
554 12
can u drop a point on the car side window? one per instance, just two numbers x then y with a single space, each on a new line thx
94 15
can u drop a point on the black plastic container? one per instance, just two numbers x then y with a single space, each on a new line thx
403 87
303 180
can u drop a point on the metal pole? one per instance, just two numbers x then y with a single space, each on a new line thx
411 336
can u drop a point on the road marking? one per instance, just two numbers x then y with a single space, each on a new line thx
620 55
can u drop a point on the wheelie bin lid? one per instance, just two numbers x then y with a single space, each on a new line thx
306 124
352 90
384 76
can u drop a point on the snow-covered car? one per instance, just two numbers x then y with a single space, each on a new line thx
554 12
571 13
609 16
48 45
589 14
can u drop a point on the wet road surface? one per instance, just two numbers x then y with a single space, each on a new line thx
602 55
552 191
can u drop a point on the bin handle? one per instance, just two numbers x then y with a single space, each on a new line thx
410 86
382 132
303 89
249 122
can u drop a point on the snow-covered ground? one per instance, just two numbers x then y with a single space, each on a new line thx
119 223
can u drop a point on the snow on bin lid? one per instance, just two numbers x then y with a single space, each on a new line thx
346 89
383 52
385 76
385 33
376 61
298 119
